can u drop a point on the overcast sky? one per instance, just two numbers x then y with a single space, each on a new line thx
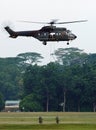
44 11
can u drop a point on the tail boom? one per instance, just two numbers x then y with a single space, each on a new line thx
11 32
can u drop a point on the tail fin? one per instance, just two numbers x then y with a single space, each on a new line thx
11 32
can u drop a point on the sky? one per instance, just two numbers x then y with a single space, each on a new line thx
11 11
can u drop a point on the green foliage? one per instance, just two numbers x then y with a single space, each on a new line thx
31 80
11 74
2 104
70 56
30 57
30 103
70 86
9 78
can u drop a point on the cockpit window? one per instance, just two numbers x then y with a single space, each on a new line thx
68 31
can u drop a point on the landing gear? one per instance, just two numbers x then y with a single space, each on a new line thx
67 43
44 43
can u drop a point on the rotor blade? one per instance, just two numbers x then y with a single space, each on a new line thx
53 21
71 22
34 22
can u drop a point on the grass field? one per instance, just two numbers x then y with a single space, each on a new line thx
29 121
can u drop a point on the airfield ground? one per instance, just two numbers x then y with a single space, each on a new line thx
30 121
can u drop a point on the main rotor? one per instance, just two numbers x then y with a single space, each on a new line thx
54 21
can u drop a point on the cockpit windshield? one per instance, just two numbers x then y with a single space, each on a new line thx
68 31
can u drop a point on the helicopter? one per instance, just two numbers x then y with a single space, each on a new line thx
46 33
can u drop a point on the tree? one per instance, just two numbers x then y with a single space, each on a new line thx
2 103
10 74
72 83
31 79
91 59
70 56
91 87
64 83
31 103
48 83
30 58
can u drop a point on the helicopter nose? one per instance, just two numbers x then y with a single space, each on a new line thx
75 36
72 36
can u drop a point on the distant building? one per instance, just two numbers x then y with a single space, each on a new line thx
12 105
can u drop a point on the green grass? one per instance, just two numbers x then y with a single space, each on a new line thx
49 127
29 121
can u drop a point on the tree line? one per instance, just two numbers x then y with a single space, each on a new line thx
67 84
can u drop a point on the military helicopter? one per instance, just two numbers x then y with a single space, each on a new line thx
47 33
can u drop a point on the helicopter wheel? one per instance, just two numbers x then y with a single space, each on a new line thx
44 43
67 43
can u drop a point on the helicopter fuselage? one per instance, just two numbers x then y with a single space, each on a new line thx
45 34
